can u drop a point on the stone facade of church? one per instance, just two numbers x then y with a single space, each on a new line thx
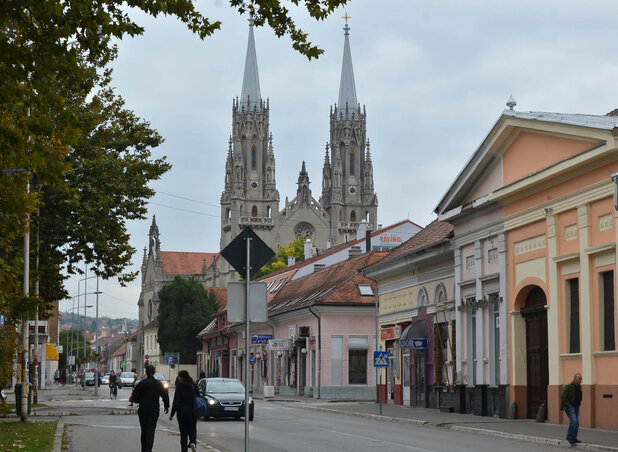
250 197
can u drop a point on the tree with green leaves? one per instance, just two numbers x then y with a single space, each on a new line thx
295 249
185 309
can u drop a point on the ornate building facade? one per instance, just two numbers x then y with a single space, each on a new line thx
250 196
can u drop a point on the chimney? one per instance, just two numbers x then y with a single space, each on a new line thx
355 251
291 261
327 244
367 241
360 232
318 267
308 247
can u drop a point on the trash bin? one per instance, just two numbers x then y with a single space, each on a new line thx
18 398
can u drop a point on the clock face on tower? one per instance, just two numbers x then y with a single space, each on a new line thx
254 184
352 189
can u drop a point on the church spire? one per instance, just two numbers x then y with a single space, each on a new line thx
250 97
347 87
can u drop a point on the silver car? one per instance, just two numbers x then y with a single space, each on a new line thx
126 379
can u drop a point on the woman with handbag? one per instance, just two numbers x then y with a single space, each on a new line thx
184 396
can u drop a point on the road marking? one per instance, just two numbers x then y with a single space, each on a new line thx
123 427
405 446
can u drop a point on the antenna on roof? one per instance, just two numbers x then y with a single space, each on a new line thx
511 102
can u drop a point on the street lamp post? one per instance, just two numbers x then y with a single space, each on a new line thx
96 343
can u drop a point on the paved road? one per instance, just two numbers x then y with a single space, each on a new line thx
278 427
284 427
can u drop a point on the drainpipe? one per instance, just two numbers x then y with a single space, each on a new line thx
319 350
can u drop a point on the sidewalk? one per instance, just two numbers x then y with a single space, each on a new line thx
522 429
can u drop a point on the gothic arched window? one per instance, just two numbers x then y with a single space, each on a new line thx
303 230
254 211
367 216
340 215
268 212
253 157
228 214
353 216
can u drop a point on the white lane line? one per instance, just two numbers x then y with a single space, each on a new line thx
405 446
123 427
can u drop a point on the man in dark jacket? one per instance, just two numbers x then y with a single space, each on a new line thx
570 401
147 394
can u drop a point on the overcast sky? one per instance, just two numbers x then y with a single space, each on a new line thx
434 76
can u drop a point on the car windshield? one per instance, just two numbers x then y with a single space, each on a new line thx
89 374
126 375
224 387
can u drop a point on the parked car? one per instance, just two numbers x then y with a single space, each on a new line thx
163 380
105 380
225 398
126 379
89 379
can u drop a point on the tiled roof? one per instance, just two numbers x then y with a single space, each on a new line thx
332 250
335 284
152 324
121 351
220 295
185 263
433 232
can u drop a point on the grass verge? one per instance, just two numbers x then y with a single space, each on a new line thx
28 437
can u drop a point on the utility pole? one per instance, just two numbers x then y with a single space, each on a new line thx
24 321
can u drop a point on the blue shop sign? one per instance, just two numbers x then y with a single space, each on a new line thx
261 338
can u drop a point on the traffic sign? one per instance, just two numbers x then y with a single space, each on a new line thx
415 343
236 252
171 359
380 359
252 360
261 338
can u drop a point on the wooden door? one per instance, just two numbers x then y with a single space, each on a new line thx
536 350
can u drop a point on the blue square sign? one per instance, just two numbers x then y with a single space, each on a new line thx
380 359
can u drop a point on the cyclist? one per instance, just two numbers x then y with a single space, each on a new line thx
113 385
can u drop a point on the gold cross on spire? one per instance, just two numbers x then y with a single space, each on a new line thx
346 17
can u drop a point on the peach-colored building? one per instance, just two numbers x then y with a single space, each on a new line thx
554 186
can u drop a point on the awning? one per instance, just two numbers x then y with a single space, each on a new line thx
51 354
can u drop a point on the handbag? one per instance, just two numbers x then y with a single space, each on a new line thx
200 407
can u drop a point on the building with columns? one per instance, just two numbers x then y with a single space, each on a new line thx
544 200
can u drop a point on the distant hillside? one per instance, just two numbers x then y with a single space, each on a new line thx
106 324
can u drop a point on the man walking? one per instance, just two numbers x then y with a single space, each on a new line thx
570 400
147 394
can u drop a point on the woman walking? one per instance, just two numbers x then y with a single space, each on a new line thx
184 394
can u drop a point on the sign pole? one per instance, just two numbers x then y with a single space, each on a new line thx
380 393
247 320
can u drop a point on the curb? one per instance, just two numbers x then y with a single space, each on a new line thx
57 447
533 439
369 416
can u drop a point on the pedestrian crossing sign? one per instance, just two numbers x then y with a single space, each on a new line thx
380 359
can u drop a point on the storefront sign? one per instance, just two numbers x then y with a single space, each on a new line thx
390 240
413 343
278 344
390 333
261 338
398 300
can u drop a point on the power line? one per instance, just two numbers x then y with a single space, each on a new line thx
188 199
184 210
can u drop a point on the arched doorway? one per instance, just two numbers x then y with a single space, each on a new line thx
537 371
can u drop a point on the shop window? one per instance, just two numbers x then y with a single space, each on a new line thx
607 310
357 367
572 286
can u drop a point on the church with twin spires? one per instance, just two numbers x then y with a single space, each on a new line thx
250 196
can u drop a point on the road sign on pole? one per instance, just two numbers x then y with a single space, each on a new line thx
380 359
